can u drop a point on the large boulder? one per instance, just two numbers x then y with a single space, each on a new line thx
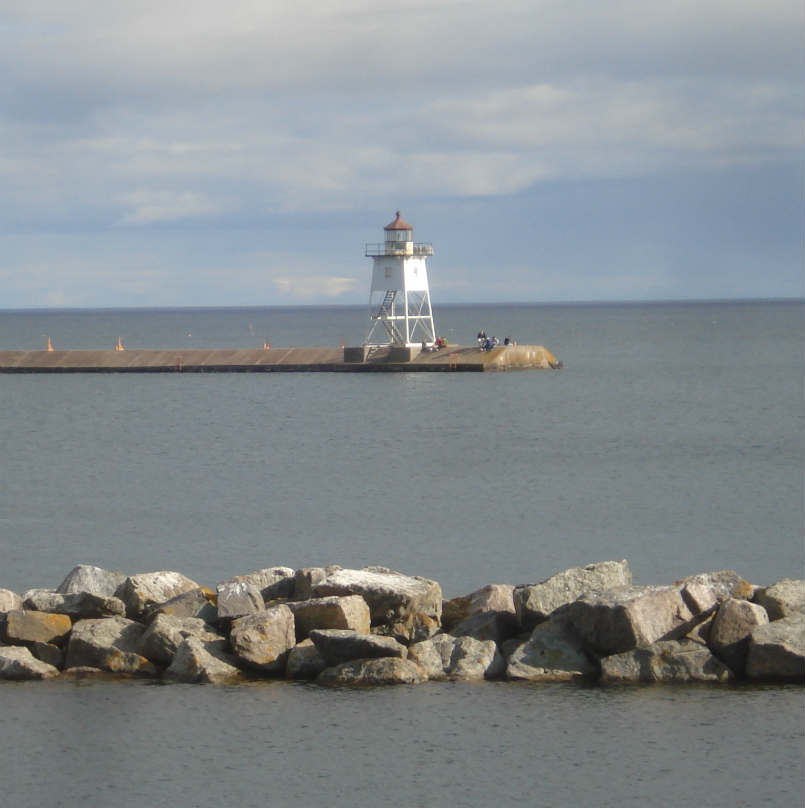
47 652
271 582
79 605
618 620
349 612
704 591
17 662
490 598
553 653
237 599
457 658
201 662
429 656
308 577
776 651
729 635
166 633
109 643
408 629
495 626
263 640
95 580
143 592
391 596
304 661
381 671
24 627
193 603
783 599
666 661
534 602
343 645
9 600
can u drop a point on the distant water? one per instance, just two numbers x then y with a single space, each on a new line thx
674 437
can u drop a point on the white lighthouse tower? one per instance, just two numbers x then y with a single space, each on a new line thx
399 301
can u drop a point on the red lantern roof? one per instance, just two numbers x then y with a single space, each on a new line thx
398 224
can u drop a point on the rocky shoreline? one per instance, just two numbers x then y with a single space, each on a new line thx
373 626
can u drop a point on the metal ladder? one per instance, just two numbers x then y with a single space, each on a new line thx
385 306
384 312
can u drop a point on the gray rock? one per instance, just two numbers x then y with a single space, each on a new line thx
86 672
495 626
473 659
666 661
490 598
271 582
342 645
141 593
95 580
110 643
24 626
263 640
618 620
783 599
729 635
79 605
701 632
458 658
304 661
17 662
508 647
412 628
706 590
200 662
305 579
428 656
776 650
391 596
166 633
552 653
193 603
237 599
46 652
534 602
382 671
9 600
349 612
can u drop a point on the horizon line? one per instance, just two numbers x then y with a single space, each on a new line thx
447 304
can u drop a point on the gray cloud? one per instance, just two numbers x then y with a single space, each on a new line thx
150 117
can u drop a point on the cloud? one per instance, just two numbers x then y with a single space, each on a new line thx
149 117
151 207
314 286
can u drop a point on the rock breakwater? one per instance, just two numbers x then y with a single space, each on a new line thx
377 626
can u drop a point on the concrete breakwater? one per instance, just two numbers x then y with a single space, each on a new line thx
377 626
281 360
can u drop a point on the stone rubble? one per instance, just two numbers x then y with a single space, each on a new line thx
374 626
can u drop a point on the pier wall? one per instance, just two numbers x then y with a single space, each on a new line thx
351 359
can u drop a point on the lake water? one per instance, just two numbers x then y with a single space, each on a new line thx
674 437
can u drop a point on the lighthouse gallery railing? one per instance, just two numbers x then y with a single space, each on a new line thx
375 250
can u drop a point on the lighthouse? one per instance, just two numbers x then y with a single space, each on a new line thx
399 300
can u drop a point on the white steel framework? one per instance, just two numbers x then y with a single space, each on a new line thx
400 312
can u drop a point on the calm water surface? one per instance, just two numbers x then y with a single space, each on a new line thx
672 438
432 745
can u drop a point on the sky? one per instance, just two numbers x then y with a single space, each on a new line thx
203 153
